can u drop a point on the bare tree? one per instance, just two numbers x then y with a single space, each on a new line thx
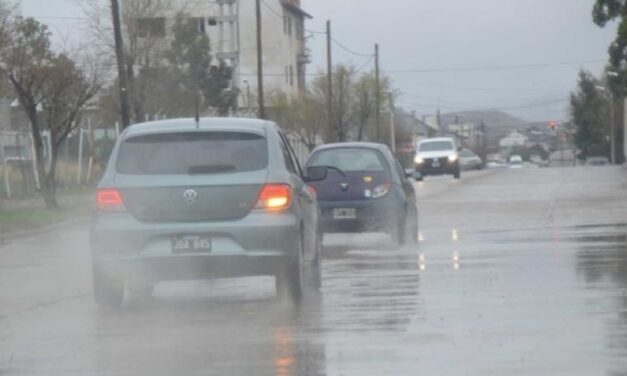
303 116
143 27
343 101
365 107
52 89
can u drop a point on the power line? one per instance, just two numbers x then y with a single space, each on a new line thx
272 9
493 67
506 108
342 46
364 65
315 32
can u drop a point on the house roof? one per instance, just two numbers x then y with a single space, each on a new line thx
291 6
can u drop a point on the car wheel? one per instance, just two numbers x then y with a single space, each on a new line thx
397 233
108 291
457 174
412 228
289 283
316 266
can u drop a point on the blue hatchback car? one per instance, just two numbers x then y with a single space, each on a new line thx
366 190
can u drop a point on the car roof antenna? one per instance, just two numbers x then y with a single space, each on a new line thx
197 112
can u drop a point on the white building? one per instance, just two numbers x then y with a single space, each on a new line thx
231 27
513 139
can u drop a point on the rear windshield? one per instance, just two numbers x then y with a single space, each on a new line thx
436 146
349 159
192 153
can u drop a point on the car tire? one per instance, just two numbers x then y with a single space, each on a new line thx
411 225
316 266
289 282
397 233
108 291
457 174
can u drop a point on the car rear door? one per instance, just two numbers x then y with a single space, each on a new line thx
193 176
350 184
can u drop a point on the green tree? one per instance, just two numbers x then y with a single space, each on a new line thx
590 113
603 12
189 58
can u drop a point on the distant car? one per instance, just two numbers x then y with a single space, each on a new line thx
366 190
516 161
597 161
496 164
468 160
437 156
221 198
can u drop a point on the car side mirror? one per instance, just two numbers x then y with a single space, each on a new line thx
316 173
409 173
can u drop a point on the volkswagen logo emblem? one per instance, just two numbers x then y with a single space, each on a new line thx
190 196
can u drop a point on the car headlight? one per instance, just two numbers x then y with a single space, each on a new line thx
381 190
452 157
419 160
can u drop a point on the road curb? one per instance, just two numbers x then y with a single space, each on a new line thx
41 230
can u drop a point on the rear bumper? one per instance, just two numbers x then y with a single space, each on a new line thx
260 244
444 169
190 267
371 215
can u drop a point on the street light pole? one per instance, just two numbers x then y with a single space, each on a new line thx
610 96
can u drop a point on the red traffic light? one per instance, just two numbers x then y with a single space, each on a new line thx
553 125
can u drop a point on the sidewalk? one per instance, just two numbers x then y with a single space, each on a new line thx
25 216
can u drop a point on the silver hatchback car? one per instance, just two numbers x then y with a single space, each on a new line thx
182 200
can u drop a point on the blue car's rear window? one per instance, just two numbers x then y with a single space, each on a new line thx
187 153
349 159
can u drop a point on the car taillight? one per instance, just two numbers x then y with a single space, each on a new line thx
274 197
381 190
109 200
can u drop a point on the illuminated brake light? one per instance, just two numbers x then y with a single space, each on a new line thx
109 200
274 197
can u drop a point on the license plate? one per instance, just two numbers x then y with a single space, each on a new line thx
344 213
191 244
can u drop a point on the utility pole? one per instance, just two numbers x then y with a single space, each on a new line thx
378 92
612 132
262 106
119 53
329 78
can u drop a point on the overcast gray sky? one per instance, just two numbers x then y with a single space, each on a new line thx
457 37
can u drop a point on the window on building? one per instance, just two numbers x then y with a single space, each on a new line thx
287 25
200 24
212 21
291 75
151 27
287 74
300 32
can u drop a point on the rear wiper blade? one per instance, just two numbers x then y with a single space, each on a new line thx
210 169
335 169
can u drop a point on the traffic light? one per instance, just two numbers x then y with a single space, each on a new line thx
553 125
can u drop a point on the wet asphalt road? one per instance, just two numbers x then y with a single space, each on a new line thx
518 272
